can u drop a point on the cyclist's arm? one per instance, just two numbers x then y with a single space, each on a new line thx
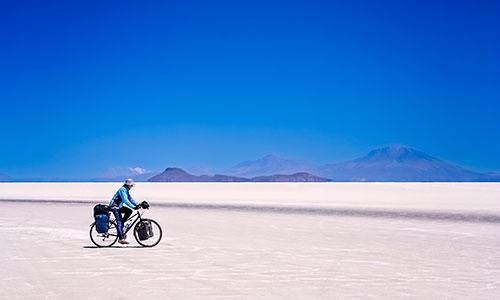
126 200
134 203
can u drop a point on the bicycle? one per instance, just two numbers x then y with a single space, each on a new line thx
108 239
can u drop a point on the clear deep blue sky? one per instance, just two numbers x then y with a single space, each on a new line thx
91 85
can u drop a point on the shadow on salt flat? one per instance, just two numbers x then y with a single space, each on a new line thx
304 210
95 247
348 212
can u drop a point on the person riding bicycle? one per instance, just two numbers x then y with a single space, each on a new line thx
123 203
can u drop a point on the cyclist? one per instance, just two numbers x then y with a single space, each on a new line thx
123 203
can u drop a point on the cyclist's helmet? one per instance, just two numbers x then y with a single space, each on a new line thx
129 182
145 204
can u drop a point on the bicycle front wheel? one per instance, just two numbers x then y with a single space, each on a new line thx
104 239
154 233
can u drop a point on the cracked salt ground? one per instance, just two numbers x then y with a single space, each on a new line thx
212 254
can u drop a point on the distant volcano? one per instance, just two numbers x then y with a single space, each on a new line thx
398 163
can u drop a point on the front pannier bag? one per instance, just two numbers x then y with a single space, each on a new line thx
144 230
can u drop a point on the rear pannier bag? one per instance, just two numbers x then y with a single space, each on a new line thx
102 223
101 209
101 216
144 230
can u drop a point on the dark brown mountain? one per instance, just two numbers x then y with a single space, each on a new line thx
179 175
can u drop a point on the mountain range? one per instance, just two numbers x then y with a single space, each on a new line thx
179 175
394 163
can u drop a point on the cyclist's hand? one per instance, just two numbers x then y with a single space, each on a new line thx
145 204
137 207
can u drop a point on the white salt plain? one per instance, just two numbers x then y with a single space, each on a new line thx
408 246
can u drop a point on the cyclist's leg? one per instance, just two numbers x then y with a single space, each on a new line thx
126 213
119 224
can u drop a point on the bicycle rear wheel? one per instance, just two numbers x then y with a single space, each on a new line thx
104 239
153 240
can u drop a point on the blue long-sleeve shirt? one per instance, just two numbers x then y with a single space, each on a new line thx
126 199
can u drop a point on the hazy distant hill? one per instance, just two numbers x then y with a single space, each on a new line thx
119 178
398 163
297 177
179 175
495 176
5 177
269 165
120 174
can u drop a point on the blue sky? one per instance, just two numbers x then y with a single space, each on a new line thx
91 85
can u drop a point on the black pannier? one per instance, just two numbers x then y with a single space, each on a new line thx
144 230
100 209
101 216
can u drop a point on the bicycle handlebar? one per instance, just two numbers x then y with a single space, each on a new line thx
143 205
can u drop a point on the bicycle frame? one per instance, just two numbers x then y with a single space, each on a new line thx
137 217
